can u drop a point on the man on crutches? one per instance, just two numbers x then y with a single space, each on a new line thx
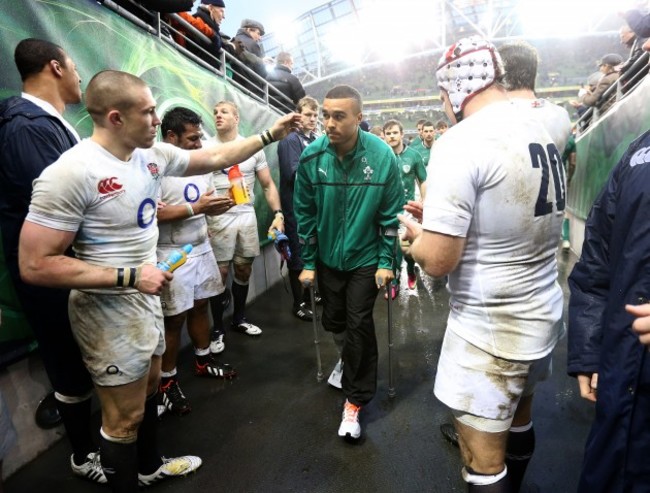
347 188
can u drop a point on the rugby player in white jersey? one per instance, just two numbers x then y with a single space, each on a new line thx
100 197
491 222
186 201
520 61
520 64
234 235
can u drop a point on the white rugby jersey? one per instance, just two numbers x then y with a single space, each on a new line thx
555 119
109 203
248 169
499 182
194 229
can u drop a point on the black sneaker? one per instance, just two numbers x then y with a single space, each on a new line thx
173 398
212 368
303 313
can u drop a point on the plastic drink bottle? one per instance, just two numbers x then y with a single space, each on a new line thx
238 186
281 243
175 259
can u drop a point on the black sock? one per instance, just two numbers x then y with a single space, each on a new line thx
520 448
148 456
203 359
296 289
216 307
120 465
76 420
501 486
239 295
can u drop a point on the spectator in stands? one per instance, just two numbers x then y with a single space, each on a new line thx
234 234
167 6
33 135
347 196
100 195
250 52
284 81
7 434
207 21
289 151
638 21
635 45
181 220
608 66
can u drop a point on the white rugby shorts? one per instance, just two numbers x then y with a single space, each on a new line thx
197 279
474 383
117 334
234 235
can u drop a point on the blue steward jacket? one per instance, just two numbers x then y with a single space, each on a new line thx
614 270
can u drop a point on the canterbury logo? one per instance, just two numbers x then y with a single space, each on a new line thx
109 185
641 156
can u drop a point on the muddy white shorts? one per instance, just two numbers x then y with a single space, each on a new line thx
473 382
117 334
233 235
197 279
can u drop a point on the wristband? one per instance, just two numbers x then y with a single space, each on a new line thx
133 275
120 277
269 135
137 271
265 141
190 209
278 211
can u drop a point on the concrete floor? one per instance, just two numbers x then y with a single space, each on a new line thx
273 429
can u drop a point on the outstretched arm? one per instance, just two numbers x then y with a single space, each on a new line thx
218 157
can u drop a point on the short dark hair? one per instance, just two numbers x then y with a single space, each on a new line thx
520 61
428 123
111 89
344 92
393 123
176 119
441 124
31 55
420 122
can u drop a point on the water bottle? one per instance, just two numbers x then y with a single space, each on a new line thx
281 243
175 259
238 186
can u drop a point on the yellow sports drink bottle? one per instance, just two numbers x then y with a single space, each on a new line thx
238 186
175 259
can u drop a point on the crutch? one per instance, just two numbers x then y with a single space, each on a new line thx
319 372
393 233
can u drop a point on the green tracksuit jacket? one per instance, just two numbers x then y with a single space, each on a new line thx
343 208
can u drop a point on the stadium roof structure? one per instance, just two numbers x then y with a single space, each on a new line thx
342 36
